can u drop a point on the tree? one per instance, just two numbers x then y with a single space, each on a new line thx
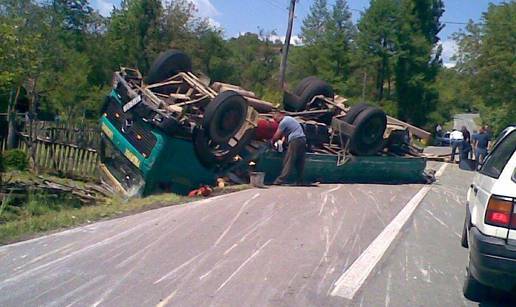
18 55
135 33
469 43
417 62
377 42
315 23
255 58
339 37
486 59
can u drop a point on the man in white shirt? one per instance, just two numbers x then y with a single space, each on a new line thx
456 139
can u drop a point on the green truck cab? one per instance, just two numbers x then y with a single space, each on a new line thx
139 159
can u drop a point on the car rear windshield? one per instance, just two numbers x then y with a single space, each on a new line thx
496 161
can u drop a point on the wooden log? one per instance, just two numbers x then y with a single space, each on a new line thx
260 105
228 87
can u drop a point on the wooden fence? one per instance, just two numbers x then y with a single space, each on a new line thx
62 159
57 149
80 135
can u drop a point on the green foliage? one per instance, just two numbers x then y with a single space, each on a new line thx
417 65
15 159
485 63
314 25
377 43
329 43
255 61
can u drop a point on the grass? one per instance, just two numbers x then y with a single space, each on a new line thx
41 215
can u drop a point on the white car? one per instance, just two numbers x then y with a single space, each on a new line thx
490 224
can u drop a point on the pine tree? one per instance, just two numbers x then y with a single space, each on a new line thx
339 37
418 64
377 41
314 25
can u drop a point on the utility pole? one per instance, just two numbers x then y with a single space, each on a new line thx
286 46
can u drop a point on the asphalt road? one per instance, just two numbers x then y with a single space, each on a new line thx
467 120
279 246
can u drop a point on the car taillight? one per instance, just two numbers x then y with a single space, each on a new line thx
500 212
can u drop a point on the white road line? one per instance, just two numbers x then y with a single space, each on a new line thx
354 277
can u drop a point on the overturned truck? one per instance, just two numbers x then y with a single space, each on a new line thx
174 131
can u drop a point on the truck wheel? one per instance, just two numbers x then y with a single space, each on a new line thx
211 155
370 125
224 116
311 87
354 111
315 88
168 64
291 102
303 84
473 289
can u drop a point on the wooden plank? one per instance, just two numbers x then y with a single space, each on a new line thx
93 164
76 160
61 151
65 158
84 171
68 159
420 133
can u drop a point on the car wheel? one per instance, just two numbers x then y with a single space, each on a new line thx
168 64
464 238
473 290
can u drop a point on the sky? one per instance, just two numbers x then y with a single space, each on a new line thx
240 16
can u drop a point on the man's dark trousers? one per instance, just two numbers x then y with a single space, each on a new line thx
294 159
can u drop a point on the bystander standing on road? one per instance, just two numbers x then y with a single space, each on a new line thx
456 139
438 130
481 142
290 128
466 143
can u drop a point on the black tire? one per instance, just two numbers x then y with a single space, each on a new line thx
354 111
211 157
300 88
465 228
473 290
224 116
291 102
312 87
168 64
367 139
315 88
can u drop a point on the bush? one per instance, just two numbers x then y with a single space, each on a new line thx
15 159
